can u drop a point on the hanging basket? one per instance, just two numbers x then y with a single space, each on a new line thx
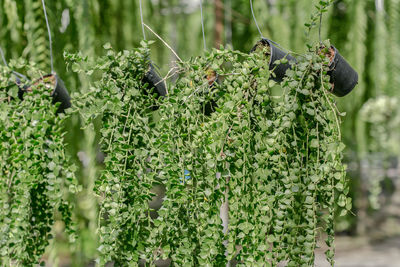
154 80
59 93
275 54
343 77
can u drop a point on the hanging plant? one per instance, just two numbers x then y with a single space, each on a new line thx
36 176
124 100
275 159
279 61
58 93
154 80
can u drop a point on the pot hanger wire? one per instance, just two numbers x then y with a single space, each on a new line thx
144 35
164 42
319 30
14 72
320 22
141 19
228 23
254 17
49 33
259 30
3 58
202 24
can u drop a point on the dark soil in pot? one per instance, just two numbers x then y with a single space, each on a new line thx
275 53
59 92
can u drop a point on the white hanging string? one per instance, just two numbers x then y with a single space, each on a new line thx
379 5
202 25
49 33
164 42
141 19
319 30
3 58
258 28
5 63
254 17
228 22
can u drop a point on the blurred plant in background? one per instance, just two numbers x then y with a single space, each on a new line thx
379 166
383 115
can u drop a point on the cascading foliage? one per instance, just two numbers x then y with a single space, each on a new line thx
125 183
366 34
272 151
35 174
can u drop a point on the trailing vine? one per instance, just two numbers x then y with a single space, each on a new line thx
36 176
125 183
275 158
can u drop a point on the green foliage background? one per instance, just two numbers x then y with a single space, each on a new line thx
366 32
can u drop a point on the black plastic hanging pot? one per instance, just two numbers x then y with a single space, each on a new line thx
59 93
279 70
212 78
154 80
21 88
342 76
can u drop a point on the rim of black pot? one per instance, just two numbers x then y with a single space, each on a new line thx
153 78
59 91
264 41
278 69
332 60
349 71
271 44
37 81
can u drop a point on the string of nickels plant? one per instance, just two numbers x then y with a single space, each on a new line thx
35 190
126 133
332 108
275 150
315 17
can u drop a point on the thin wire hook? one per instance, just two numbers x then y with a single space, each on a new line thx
141 19
3 58
202 24
254 17
319 30
14 72
228 22
164 42
49 33
21 76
